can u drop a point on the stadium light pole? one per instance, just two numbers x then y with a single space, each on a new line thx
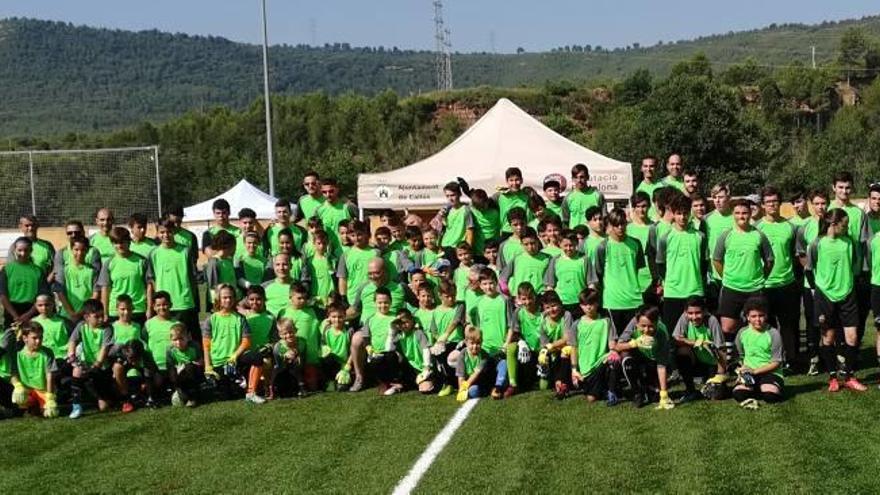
267 104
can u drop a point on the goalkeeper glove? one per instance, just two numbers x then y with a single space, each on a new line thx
523 354
50 408
233 359
665 402
642 342
462 395
438 348
19 394
544 357
210 374
423 376
344 376
699 343
325 351
718 379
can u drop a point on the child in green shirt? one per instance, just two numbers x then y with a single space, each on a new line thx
352 265
526 326
185 367
581 198
307 331
322 275
77 280
473 369
335 349
220 268
32 373
278 289
127 352
567 273
698 337
21 280
494 314
446 331
487 223
760 351
88 351
528 266
594 234
158 340
287 356
511 197
375 337
550 230
412 348
250 265
56 334
644 347
512 246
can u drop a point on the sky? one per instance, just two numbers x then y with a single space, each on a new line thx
475 25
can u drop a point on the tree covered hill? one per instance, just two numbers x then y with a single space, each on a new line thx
57 78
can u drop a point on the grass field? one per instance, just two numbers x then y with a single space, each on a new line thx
363 443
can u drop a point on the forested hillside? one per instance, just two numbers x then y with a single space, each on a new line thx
56 77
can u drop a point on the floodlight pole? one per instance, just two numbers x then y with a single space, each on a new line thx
267 104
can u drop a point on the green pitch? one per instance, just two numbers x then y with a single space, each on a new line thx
363 443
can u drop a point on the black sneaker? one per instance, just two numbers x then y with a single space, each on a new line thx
640 400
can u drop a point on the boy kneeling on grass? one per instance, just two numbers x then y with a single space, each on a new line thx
288 356
474 367
590 364
185 365
644 347
88 352
413 352
32 369
760 349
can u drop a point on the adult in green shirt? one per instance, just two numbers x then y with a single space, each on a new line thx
221 209
100 240
674 169
21 281
362 302
832 268
743 258
581 198
43 253
170 269
125 273
309 202
334 211
649 183
681 262
873 213
615 269
716 222
781 288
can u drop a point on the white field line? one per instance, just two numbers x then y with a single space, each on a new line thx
409 482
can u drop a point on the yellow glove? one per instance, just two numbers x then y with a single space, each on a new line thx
699 343
19 394
369 350
211 374
544 357
50 408
665 402
718 379
233 358
462 395
566 351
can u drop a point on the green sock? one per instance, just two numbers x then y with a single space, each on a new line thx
512 363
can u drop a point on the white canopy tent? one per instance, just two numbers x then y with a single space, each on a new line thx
506 136
242 195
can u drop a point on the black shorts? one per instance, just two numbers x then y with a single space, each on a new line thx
840 314
596 383
768 379
875 304
731 302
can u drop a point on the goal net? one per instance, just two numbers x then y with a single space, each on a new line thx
60 185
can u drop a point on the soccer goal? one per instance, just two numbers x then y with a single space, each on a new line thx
58 185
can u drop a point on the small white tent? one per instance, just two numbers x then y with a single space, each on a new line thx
506 136
242 195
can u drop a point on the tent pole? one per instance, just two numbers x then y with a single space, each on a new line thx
360 214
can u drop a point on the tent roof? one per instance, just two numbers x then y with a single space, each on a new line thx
506 136
242 195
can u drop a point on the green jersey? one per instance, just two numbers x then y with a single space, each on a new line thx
508 250
709 330
461 278
125 333
250 270
531 268
219 271
681 256
759 348
21 282
378 329
171 270
352 266
469 364
89 341
509 200
307 330
495 316
874 259
308 205
487 226
568 276
332 215
456 223
56 333
744 256
576 204
262 326
832 260
857 227
528 325
590 338
42 254
555 330
321 272
271 244
159 339
805 236
716 224
103 244
615 267
226 332
781 236
640 233
659 350
78 283
213 230
277 295
126 275
413 345
590 244
143 246
554 208
648 188
873 224
33 368
444 317
178 358
338 341
365 298
676 182
424 320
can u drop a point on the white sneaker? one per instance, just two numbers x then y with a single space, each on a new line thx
175 400
254 399
392 390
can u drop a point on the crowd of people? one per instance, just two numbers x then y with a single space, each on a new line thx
495 295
